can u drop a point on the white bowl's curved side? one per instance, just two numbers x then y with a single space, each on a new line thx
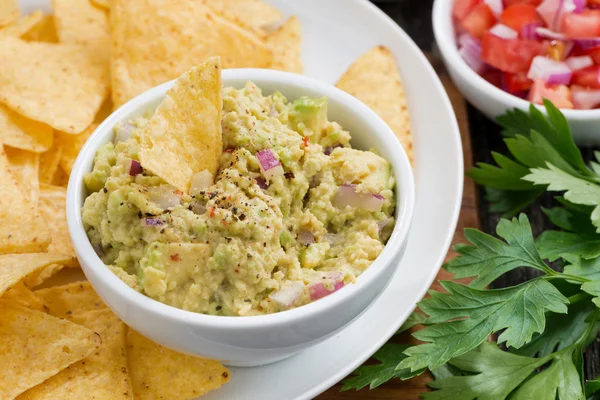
487 98
262 339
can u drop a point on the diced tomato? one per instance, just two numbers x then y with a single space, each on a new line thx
510 55
587 77
595 54
462 8
593 3
535 3
494 77
479 20
517 83
559 95
518 15
583 24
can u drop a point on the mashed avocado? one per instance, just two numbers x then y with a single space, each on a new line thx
294 212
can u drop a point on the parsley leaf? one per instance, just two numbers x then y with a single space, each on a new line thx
570 220
593 288
374 375
507 175
466 316
490 257
577 190
553 245
509 203
496 374
416 318
562 330
578 266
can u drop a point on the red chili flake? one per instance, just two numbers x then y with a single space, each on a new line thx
229 150
229 198
212 212
237 271
305 141
175 257
179 192
224 222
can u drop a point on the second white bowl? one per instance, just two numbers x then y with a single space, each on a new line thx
256 340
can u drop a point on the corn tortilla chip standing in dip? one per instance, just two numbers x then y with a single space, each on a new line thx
184 137
52 207
374 79
286 44
43 31
24 166
58 84
80 22
189 34
23 133
160 373
50 160
9 11
35 346
15 268
23 230
22 296
70 299
24 25
102 375
253 15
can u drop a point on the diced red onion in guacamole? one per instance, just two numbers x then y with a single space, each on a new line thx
261 183
135 167
348 196
287 294
383 223
198 207
124 131
305 237
201 181
329 149
318 290
152 221
98 249
164 198
270 166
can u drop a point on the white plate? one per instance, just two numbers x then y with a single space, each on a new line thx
335 33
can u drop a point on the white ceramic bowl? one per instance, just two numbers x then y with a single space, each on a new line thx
490 100
256 340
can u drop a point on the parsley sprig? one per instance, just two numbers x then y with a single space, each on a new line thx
541 326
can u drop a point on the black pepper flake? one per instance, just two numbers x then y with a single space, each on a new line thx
140 214
234 209
249 255
212 195
289 175
247 300
149 214
264 244
105 190
162 230
228 239
218 308
242 217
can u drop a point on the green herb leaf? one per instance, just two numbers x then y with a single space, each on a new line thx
506 176
374 375
593 288
490 257
509 203
497 374
578 266
416 318
560 378
577 190
465 317
592 387
553 245
570 220
562 330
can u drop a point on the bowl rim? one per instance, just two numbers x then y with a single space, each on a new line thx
443 29
405 200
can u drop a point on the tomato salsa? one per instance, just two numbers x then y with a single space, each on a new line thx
534 49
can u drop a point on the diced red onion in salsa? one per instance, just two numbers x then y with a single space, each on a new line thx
534 49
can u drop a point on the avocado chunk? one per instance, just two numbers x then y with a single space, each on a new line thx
308 117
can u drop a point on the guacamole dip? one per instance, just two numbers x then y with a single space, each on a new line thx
292 215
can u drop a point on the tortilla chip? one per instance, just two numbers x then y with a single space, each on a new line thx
374 79
102 375
189 33
23 230
80 22
183 137
24 166
286 44
15 268
22 296
9 11
160 373
105 110
43 31
52 208
35 346
101 3
253 15
70 299
61 179
23 25
58 84
41 276
72 144
50 160
23 133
